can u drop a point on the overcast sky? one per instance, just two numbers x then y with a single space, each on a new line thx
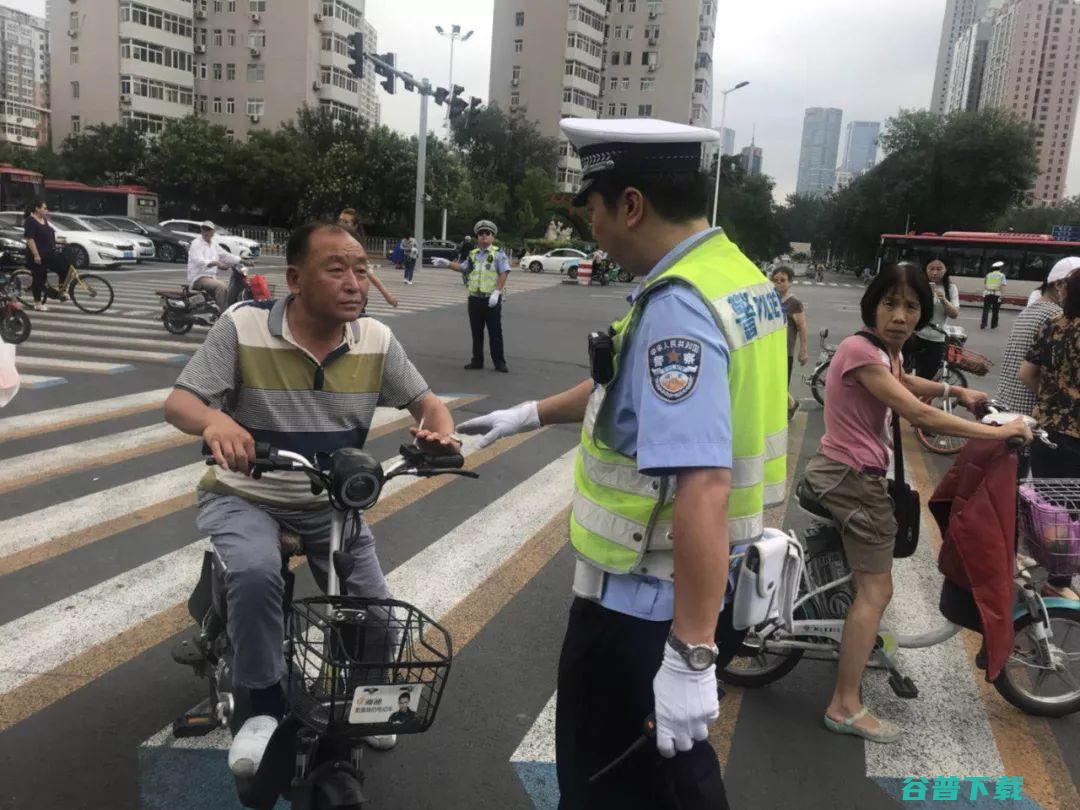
870 58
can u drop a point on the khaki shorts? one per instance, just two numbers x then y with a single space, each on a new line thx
860 502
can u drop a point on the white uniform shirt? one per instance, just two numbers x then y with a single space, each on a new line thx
200 254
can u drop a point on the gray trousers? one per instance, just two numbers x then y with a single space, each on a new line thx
219 289
246 541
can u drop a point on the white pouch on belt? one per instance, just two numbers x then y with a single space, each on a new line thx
768 580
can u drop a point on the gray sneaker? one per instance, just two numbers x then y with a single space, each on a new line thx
381 742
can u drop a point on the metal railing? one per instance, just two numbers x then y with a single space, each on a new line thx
273 240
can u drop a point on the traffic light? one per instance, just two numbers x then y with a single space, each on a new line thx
356 53
457 104
410 85
390 85
440 95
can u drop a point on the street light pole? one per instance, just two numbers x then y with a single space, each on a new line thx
720 152
454 34
421 170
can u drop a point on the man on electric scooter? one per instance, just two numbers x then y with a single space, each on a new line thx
303 374
204 260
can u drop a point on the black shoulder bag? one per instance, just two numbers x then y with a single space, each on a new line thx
907 507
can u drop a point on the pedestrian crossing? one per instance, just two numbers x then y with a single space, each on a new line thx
95 578
65 341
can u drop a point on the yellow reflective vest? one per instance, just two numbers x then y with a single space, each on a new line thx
482 271
994 280
621 520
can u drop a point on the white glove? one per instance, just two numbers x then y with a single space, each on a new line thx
438 261
499 424
493 299
686 702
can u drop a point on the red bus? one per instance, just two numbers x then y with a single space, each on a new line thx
19 187
136 202
969 255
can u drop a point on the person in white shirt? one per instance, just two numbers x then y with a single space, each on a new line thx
204 260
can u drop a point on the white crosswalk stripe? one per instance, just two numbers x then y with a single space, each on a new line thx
131 333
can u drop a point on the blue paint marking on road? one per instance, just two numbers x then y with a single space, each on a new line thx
187 779
42 382
540 782
893 788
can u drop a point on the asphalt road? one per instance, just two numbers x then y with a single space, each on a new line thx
99 550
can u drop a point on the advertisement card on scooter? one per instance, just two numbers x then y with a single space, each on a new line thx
385 703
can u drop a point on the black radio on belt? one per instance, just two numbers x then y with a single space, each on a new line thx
602 356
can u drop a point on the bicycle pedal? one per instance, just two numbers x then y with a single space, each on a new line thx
902 686
189 653
194 725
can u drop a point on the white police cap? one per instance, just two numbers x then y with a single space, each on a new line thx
634 146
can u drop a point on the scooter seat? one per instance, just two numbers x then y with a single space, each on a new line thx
808 502
176 295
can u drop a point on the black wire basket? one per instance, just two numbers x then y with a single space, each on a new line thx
359 667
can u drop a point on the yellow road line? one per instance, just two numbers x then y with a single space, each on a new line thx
722 733
1026 744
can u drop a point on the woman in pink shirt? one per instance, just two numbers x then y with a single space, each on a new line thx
847 475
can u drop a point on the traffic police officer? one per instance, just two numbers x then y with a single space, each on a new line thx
688 398
486 270
993 286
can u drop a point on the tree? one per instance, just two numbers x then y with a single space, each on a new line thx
802 218
1039 218
110 154
273 171
191 167
940 173
499 149
747 212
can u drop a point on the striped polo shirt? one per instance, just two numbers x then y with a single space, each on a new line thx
252 368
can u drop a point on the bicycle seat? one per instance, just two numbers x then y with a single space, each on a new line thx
809 502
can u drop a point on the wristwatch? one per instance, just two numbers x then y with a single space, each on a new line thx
698 657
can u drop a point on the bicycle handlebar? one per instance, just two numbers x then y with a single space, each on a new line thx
992 407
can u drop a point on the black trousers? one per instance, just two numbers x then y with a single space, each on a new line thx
991 304
481 315
923 357
606 671
40 274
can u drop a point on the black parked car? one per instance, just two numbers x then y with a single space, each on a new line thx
12 248
168 246
437 248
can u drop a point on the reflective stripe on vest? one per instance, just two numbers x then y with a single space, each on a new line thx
621 520
483 274
994 280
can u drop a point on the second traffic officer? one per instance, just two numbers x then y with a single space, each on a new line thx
486 270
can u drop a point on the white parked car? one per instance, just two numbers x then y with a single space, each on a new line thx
85 248
144 246
552 260
244 248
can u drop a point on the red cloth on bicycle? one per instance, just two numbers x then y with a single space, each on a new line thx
260 289
975 507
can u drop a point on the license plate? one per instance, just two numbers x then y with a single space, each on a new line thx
129 254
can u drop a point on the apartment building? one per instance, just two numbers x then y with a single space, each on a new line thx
622 58
752 159
132 61
243 64
817 153
960 15
1024 56
24 78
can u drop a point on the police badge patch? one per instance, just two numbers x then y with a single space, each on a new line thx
674 364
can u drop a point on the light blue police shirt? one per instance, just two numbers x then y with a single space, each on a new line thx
502 263
666 435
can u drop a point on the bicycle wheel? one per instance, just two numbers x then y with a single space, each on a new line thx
1035 685
753 667
817 384
22 282
14 326
939 442
91 293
